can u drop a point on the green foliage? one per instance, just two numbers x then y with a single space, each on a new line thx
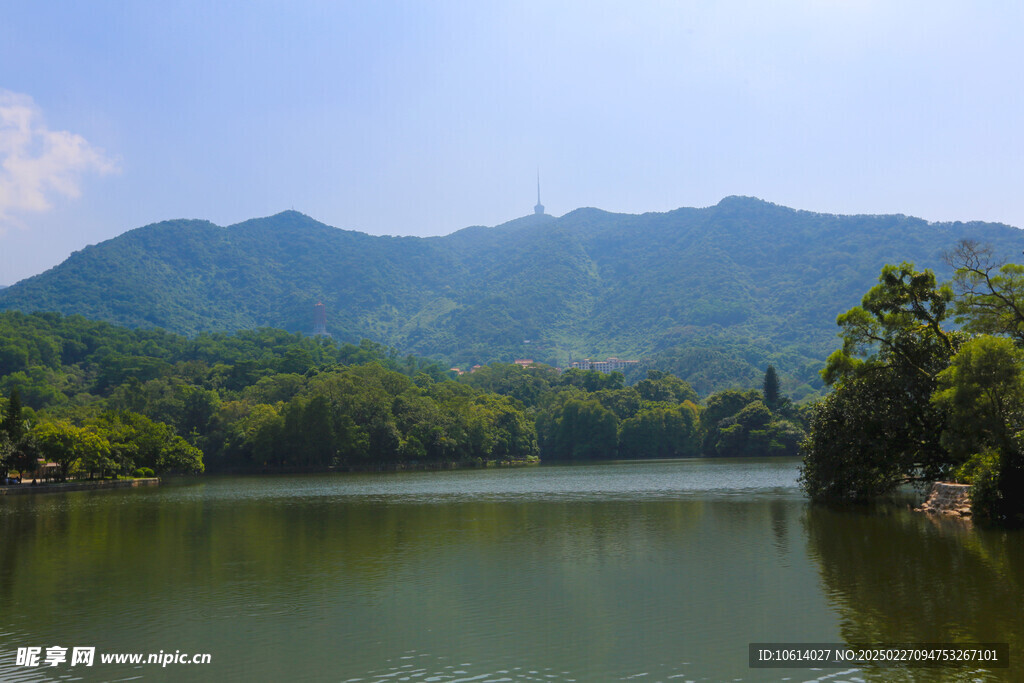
712 295
6 451
983 392
921 403
580 429
982 472
73 447
771 388
879 428
719 408
112 399
895 316
660 431
120 400
656 418
861 443
592 380
525 384
990 293
739 424
661 386
13 424
20 455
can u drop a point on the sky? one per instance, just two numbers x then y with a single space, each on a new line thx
421 118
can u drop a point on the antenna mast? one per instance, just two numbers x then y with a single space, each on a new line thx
539 209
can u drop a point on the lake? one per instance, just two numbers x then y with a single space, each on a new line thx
650 571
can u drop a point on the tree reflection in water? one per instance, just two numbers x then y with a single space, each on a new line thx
896 576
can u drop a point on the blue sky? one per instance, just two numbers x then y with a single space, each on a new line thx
421 118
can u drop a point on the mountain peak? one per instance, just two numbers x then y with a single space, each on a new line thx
289 219
290 213
736 200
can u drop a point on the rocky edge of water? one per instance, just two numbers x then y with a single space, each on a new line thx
947 498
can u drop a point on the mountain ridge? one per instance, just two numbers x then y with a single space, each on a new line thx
746 281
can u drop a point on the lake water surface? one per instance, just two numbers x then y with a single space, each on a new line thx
653 571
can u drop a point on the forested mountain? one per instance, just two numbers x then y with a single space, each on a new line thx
713 295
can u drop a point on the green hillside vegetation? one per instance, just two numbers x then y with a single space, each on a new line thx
712 295
101 400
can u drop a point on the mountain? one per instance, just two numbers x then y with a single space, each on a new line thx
713 294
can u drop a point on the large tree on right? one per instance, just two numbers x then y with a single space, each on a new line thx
879 428
912 401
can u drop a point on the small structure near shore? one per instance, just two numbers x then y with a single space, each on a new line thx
947 498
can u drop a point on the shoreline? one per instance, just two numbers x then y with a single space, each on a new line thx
429 467
382 467
84 485
949 499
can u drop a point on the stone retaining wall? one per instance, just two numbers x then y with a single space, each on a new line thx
948 499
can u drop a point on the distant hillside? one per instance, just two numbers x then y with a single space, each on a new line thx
711 294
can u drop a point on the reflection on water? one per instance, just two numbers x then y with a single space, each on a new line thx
662 571
898 576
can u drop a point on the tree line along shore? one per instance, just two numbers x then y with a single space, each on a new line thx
928 385
89 399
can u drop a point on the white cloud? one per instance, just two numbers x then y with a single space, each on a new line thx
38 164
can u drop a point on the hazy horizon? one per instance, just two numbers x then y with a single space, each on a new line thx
420 120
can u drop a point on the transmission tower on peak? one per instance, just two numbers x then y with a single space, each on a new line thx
539 209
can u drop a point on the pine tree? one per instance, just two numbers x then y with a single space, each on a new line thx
772 391
13 422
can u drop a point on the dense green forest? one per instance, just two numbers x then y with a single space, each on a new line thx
98 399
713 295
914 399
